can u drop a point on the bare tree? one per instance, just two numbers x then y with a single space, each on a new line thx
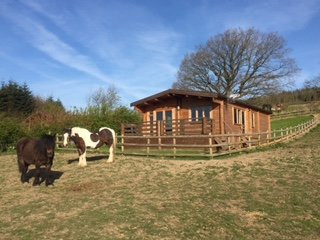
313 82
238 63
104 99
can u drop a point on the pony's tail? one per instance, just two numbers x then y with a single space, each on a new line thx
114 138
19 147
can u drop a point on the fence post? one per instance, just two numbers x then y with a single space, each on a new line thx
259 139
122 144
174 146
229 141
159 131
148 147
122 138
249 144
210 147
274 136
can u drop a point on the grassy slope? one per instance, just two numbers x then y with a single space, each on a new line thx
289 122
264 195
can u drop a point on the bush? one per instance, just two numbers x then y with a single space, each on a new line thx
10 132
93 120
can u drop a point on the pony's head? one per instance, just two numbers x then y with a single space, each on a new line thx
50 144
66 136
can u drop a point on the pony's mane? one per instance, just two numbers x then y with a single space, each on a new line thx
46 140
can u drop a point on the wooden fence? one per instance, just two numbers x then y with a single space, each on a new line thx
294 114
209 145
202 145
162 128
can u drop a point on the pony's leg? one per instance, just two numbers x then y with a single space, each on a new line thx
48 173
111 153
24 170
36 177
83 160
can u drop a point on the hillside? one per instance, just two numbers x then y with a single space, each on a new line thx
270 194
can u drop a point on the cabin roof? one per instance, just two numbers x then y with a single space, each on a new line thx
179 92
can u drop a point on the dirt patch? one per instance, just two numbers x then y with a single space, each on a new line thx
85 187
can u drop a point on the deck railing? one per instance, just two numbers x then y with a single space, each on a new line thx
163 128
209 145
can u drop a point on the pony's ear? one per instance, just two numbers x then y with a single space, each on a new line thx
67 130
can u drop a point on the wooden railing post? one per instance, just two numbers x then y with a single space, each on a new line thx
210 146
204 126
229 141
148 146
158 128
249 139
122 138
174 142
122 144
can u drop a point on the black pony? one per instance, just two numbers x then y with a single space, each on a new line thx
38 152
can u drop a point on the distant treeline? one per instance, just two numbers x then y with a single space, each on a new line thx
288 97
24 114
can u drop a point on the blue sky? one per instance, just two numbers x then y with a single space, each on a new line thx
69 49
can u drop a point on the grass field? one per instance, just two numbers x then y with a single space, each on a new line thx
270 194
289 122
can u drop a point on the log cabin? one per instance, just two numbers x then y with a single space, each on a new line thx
183 112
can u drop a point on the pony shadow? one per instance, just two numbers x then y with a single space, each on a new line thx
89 159
54 175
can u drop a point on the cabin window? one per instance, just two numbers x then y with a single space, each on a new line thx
168 116
238 116
197 113
168 121
159 116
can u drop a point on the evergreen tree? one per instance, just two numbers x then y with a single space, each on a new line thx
16 99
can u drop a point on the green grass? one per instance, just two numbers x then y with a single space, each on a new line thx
270 194
289 122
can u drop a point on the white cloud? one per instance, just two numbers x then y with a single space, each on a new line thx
274 15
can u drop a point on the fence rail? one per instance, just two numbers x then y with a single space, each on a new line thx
168 127
295 113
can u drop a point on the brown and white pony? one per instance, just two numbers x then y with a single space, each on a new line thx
84 139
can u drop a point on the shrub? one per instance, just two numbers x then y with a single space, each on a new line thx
10 132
